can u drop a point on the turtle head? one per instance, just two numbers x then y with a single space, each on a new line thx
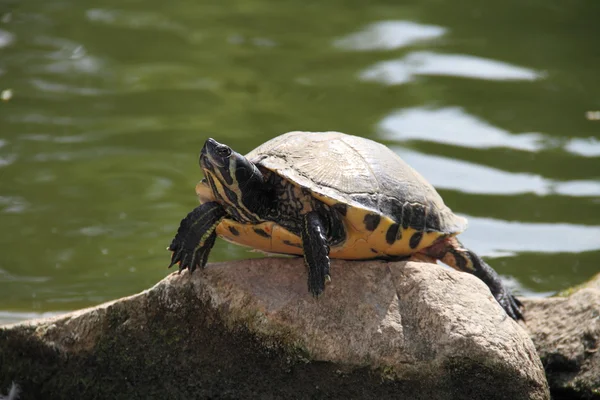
235 181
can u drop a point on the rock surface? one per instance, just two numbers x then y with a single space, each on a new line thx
566 333
250 330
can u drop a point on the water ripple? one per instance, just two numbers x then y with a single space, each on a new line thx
13 204
84 65
6 276
389 35
589 147
469 177
53 87
84 154
454 126
42 119
136 20
154 76
7 160
158 189
396 72
493 237
6 38
67 57
92 231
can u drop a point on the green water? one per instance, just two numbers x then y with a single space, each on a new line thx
110 103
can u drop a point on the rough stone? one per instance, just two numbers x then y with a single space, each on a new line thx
250 329
566 333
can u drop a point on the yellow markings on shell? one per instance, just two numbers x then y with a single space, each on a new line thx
402 247
362 244
359 244
280 241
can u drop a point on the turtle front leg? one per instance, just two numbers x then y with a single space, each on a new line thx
196 236
316 252
453 253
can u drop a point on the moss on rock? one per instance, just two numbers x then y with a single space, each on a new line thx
191 337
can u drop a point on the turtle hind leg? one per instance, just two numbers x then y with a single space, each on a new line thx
454 254
316 252
196 236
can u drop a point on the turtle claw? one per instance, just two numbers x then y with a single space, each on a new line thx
191 259
176 256
184 261
510 304
316 288
517 306
196 236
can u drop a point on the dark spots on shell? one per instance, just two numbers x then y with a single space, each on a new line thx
406 216
417 220
392 233
367 200
371 221
341 208
374 251
415 239
261 232
432 223
234 231
287 242
394 208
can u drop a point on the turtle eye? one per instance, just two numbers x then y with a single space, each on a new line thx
223 151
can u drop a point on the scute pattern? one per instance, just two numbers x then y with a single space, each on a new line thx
361 173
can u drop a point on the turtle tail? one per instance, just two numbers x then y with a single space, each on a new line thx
452 252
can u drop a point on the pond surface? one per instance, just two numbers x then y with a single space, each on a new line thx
106 106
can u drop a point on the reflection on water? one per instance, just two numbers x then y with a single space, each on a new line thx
137 19
492 237
589 147
52 87
464 176
404 70
452 125
111 104
6 160
6 38
12 205
6 276
389 35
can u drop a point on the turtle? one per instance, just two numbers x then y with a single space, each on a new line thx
324 195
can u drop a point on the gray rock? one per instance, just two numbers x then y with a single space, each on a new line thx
566 333
251 330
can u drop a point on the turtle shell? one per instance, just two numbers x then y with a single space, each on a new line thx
389 208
